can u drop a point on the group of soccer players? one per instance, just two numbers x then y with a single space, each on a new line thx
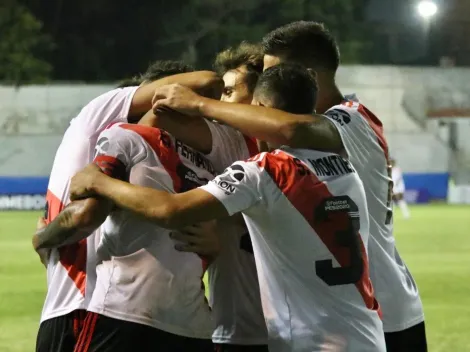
302 255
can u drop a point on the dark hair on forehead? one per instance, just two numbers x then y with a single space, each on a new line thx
164 68
305 42
289 87
245 54
130 82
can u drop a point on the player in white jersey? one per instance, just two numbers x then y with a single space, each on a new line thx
234 290
306 213
399 189
348 128
148 296
70 269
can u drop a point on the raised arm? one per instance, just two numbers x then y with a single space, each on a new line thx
206 83
192 131
271 125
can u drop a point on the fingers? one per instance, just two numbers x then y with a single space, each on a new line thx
161 105
160 93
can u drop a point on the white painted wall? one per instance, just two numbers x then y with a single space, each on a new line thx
33 118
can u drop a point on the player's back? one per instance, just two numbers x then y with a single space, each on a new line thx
70 271
364 141
141 277
309 232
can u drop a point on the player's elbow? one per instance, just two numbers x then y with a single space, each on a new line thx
292 134
315 133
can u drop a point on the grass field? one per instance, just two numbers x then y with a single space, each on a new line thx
435 244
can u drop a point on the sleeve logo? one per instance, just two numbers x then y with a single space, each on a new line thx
340 116
102 146
232 176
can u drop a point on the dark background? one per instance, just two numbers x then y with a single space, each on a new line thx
103 40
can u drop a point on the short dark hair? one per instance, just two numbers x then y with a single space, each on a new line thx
129 82
245 54
164 68
289 87
305 42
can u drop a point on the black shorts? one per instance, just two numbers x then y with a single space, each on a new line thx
60 334
410 340
222 347
104 334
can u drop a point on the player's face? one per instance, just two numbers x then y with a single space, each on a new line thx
235 88
270 61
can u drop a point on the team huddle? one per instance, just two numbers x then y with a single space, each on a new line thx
262 174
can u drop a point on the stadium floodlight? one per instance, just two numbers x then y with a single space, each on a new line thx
427 9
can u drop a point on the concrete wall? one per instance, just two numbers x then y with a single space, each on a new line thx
33 119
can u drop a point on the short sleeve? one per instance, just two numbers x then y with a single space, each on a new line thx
110 107
229 145
238 188
353 129
118 150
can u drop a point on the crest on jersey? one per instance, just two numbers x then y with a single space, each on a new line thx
102 146
232 176
341 116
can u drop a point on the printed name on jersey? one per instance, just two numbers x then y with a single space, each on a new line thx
231 177
194 157
102 146
333 165
341 116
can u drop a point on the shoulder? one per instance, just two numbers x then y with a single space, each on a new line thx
347 113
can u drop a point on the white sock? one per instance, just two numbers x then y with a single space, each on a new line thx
404 208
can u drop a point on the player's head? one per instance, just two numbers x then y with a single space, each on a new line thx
239 68
164 68
289 87
305 42
130 82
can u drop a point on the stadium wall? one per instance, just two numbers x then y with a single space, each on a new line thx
33 119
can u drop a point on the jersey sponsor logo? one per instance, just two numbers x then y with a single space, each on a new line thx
333 165
232 176
191 176
194 157
102 146
340 116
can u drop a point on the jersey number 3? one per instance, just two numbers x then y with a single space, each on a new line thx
338 224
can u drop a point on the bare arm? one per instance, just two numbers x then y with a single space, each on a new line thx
271 125
192 131
76 222
167 210
206 83
275 126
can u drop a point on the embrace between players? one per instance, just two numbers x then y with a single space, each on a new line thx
302 256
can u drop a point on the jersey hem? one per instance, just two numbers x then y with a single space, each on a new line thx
154 324
59 313
404 326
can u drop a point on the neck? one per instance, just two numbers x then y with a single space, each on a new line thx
328 93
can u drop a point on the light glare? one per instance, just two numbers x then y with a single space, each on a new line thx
427 9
